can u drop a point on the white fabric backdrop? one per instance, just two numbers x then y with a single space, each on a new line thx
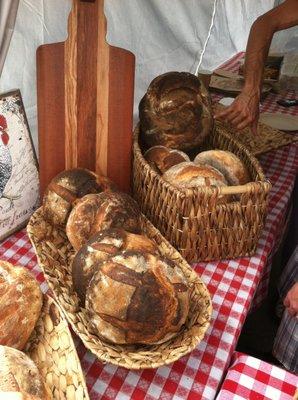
165 35
8 13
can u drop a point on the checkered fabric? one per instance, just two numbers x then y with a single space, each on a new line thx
232 285
270 166
250 378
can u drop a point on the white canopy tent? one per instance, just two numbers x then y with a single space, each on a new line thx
164 35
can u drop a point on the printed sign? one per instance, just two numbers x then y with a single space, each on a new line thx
19 183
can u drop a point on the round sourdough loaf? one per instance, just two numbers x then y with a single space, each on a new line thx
175 112
19 377
227 163
66 188
96 212
99 248
19 396
190 175
136 298
162 158
20 305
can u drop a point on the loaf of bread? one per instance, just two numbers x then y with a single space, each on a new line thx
18 396
190 175
175 112
20 305
227 163
162 158
19 377
66 188
137 297
96 212
99 248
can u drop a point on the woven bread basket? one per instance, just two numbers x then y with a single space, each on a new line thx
55 253
266 140
52 349
193 220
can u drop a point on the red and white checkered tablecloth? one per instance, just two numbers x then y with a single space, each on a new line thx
250 378
232 285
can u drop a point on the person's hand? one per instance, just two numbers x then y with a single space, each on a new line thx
243 111
291 300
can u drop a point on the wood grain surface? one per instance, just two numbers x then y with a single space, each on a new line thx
95 97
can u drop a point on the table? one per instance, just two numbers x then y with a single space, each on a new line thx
270 167
232 285
250 378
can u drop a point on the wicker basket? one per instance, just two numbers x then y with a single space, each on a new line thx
52 349
54 253
193 220
266 140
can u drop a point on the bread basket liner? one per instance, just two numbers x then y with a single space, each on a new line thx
55 253
52 349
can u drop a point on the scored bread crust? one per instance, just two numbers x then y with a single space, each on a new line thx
162 158
175 112
20 305
137 298
68 186
189 175
18 396
19 374
227 163
99 248
96 212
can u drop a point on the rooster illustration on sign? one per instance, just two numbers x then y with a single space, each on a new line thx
5 160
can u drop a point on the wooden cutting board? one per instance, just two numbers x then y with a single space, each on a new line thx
85 91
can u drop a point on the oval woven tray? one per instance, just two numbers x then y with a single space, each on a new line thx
52 349
54 253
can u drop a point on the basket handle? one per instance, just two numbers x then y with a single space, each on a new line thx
240 189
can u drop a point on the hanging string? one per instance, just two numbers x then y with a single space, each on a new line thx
208 36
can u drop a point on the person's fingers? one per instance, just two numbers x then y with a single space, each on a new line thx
291 311
239 118
286 302
244 123
224 112
232 115
294 305
254 127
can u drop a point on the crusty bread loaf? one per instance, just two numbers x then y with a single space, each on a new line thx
137 298
18 396
66 188
175 112
96 212
189 175
20 305
19 377
227 163
162 158
99 248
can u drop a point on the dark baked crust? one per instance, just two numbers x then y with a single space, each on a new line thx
175 112
96 212
68 186
162 158
20 305
137 298
99 248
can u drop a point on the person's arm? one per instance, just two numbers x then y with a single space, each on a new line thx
244 110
